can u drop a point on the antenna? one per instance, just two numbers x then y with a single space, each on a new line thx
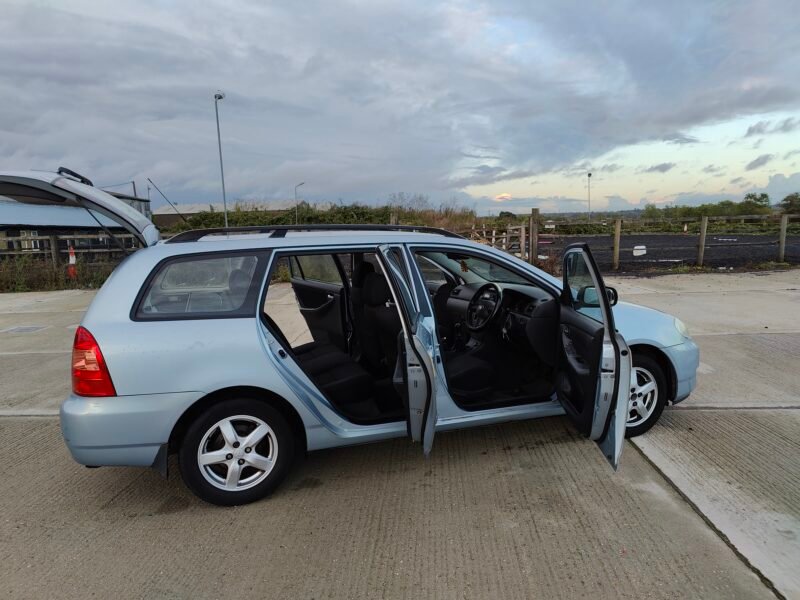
168 202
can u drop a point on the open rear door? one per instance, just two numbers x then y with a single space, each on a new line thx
414 371
67 188
595 363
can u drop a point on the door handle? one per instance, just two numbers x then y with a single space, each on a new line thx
310 309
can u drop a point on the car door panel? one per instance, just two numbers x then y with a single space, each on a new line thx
581 342
322 307
595 364
419 393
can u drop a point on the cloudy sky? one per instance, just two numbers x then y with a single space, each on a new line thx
501 105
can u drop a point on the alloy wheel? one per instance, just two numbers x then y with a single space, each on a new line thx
237 453
643 398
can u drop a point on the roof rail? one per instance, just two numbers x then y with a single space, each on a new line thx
277 231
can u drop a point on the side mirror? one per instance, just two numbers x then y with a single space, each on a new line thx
587 296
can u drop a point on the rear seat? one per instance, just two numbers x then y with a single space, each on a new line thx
335 373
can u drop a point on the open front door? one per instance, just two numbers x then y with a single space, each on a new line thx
595 363
414 372
69 189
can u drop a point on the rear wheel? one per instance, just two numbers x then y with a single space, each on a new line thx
648 395
236 452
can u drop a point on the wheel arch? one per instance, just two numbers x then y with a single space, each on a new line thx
664 362
269 397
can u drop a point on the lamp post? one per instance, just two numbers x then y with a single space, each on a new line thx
589 192
295 201
217 97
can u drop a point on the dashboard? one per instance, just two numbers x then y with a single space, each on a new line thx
519 302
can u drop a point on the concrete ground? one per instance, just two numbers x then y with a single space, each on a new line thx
733 447
705 505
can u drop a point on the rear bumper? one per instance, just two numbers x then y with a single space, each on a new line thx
122 430
685 358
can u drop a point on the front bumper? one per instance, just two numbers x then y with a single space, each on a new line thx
121 430
685 359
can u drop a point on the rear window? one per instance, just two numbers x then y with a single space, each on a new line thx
203 286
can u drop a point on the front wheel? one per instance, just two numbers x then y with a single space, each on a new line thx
236 452
648 395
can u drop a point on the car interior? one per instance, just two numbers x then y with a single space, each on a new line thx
346 304
498 332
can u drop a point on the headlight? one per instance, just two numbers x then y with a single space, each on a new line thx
682 328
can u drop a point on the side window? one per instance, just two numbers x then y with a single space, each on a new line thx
317 267
583 292
207 286
432 275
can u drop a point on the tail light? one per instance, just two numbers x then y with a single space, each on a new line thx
90 375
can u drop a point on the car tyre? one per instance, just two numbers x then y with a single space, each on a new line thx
236 452
650 392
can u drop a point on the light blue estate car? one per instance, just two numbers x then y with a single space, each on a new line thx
240 348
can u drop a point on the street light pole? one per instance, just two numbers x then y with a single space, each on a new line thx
589 189
217 97
295 201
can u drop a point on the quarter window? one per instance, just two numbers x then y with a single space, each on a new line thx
208 286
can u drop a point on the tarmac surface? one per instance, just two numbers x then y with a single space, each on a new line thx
705 505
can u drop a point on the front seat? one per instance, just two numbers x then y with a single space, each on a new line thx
363 269
382 323
542 331
445 326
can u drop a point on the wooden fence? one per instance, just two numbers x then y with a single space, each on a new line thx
524 240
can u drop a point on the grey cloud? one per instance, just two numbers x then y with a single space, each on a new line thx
791 153
759 162
659 168
759 128
370 99
787 126
484 174
711 169
737 180
680 138
480 156
610 168
766 127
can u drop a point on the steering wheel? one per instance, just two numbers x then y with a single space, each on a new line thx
484 306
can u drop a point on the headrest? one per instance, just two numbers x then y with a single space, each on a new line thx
238 282
376 290
361 271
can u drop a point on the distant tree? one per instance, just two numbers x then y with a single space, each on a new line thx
406 201
791 204
504 214
759 199
651 212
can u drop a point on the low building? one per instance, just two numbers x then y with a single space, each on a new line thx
28 228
